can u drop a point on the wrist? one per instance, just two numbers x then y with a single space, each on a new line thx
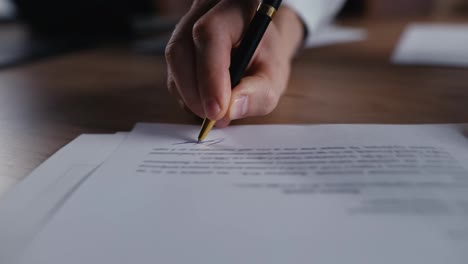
291 29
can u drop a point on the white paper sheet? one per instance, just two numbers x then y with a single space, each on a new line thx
270 194
34 200
334 34
433 44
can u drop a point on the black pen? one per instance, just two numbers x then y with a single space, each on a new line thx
241 59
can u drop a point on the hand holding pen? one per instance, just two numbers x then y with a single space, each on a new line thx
199 59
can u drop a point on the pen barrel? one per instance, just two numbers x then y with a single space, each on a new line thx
244 53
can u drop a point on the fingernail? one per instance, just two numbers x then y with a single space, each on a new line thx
239 107
212 108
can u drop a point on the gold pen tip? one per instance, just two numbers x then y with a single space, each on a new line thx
205 129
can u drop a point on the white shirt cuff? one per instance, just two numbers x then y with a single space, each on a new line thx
315 13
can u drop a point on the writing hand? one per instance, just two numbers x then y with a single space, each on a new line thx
199 55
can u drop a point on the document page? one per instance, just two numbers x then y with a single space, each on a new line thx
270 194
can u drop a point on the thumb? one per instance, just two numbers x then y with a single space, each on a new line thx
259 94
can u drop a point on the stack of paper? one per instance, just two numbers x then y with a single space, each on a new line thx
29 206
250 194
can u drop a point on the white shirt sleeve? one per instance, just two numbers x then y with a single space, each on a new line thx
315 13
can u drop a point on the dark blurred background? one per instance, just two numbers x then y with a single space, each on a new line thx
110 16
82 16
33 29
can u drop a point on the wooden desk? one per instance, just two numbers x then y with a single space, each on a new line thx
45 105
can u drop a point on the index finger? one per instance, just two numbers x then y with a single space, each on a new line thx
214 36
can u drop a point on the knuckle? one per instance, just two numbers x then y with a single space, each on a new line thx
171 51
205 29
171 87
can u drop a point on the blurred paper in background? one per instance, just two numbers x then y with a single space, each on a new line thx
433 44
334 34
6 9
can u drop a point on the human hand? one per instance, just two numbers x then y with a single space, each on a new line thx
199 55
